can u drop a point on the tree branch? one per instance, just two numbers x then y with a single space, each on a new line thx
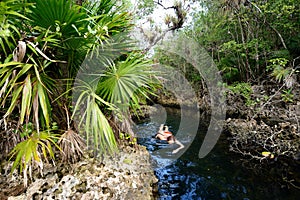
157 40
166 8
265 20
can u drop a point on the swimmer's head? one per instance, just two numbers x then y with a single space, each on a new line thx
166 128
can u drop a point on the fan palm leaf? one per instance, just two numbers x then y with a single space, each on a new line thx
125 82
92 120
61 16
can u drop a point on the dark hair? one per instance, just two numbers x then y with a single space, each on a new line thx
171 137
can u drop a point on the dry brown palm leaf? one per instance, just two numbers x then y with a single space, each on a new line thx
9 137
19 51
72 146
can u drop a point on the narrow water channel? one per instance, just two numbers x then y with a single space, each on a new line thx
217 176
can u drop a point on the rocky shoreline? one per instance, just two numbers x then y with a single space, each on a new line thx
266 132
263 128
269 124
126 175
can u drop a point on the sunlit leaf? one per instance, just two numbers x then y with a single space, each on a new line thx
26 99
43 103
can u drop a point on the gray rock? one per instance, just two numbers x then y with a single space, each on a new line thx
127 175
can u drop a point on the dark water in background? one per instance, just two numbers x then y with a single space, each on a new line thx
217 176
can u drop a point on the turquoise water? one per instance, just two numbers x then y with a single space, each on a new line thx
217 176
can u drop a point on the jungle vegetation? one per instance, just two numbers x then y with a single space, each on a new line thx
46 107
250 41
44 43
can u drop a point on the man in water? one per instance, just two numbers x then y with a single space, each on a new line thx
164 134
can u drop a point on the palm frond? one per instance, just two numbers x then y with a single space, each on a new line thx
10 22
32 151
58 15
92 120
29 87
124 82
72 146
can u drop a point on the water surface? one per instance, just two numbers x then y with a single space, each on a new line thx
217 176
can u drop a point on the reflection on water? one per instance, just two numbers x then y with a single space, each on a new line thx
214 177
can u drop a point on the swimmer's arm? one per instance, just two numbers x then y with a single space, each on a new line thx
181 146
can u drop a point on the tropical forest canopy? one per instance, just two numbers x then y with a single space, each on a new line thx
250 41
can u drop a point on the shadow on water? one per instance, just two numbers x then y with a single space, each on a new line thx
216 176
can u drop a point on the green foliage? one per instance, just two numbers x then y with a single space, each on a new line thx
93 120
76 30
66 25
243 89
229 71
10 22
124 82
287 96
28 86
279 69
59 16
119 86
43 44
242 38
38 147
27 130
181 64
283 12
283 53
145 7
128 138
